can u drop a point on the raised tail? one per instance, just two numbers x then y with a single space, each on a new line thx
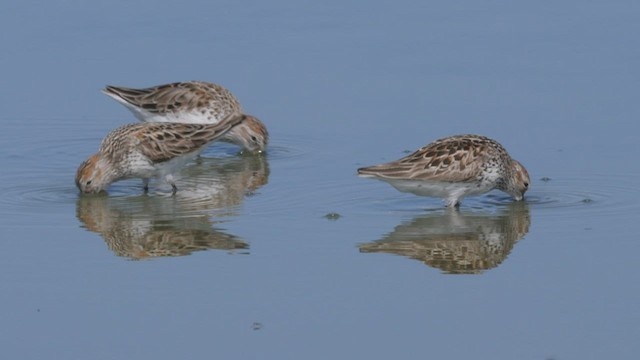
124 95
136 101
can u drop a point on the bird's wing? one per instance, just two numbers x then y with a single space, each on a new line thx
164 141
180 96
454 159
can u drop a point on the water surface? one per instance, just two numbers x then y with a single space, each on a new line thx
290 254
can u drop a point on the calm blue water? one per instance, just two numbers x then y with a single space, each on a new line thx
245 263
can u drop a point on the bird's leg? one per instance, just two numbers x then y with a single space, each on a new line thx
169 178
453 203
145 185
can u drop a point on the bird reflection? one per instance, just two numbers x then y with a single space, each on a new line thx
149 226
457 242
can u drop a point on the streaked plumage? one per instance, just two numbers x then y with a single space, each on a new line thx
455 167
146 150
457 242
153 232
193 102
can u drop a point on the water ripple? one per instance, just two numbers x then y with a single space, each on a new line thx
562 195
214 185
582 195
223 179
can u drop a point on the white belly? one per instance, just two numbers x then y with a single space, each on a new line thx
141 167
194 117
453 192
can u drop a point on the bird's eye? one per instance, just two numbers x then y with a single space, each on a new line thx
89 182
526 185
254 139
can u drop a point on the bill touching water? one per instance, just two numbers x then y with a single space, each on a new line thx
332 265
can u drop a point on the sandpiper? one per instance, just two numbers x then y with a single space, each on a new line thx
194 102
455 167
146 150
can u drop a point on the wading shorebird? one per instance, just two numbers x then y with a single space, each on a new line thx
146 150
193 102
455 167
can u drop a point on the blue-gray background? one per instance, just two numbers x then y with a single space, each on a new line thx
340 85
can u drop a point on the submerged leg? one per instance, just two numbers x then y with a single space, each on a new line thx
145 185
453 202
169 178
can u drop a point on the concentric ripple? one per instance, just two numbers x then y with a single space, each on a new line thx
559 196
33 197
287 177
574 196
42 181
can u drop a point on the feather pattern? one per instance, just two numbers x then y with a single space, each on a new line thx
178 97
456 159
145 150
195 102
161 142
454 167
